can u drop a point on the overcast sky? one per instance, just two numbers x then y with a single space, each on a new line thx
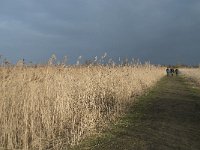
162 31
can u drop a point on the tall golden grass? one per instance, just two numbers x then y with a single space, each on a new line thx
193 73
54 107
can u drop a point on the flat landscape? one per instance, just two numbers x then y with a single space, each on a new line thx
100 75
166 118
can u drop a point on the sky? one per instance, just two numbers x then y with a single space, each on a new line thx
159 31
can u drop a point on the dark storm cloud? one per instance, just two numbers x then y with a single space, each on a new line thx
163 31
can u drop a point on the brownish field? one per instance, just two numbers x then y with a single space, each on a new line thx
54 107
167 118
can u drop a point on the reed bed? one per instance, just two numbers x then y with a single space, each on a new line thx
54 107
193 73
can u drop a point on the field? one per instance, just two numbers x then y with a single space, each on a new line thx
52 107
166 118
193 73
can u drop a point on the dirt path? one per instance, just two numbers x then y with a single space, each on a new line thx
168 118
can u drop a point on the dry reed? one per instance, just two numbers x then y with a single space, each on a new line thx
53 107
193 73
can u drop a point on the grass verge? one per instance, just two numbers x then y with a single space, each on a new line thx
168 117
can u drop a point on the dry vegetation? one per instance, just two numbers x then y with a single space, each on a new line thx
193 73
53 107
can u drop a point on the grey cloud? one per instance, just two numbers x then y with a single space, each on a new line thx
163 31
